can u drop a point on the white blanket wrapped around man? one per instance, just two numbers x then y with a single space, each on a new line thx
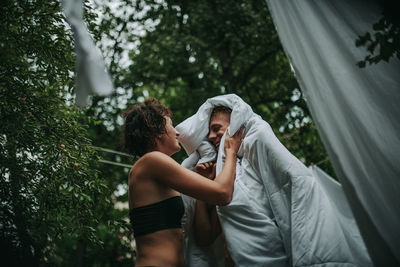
280 214
196 256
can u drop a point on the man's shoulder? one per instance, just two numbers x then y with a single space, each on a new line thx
259 128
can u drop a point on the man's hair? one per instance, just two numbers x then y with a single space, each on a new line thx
143 123
220 109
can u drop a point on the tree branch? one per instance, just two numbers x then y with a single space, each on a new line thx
246 75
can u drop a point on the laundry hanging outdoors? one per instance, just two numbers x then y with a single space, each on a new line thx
355 109
214 133
92 78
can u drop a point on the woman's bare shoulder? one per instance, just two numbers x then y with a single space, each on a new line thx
150 162
151 158
142 166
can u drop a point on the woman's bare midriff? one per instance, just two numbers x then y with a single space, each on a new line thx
161 248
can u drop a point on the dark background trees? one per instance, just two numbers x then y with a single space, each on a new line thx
60 205
383 42
188 51
51 187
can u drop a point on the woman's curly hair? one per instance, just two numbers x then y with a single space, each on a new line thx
143 123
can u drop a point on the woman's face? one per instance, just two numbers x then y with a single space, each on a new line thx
168 142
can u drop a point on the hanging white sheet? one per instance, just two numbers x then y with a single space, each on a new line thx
357 111
92 77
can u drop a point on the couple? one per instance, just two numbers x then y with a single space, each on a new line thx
272 210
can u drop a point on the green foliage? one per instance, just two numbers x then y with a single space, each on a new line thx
384 42
50 189
188 51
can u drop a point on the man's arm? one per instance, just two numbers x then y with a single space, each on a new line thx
206 225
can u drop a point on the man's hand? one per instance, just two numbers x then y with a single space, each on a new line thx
206 169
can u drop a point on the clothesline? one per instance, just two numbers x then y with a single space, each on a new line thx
112 151
115 163
130 156
319 162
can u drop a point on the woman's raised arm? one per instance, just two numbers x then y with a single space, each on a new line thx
218 191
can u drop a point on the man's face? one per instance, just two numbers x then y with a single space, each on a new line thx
218 124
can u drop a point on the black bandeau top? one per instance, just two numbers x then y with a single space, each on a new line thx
166 214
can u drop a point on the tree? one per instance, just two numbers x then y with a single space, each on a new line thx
384 42
50 189
188 51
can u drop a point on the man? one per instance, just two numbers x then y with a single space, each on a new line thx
279 214
271 255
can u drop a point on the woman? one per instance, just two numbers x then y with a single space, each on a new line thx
156 180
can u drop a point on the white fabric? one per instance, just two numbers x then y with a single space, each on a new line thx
91 74
334 191
279 214
192 137
341 208
356 111
195 256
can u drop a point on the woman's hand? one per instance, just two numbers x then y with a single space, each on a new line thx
206 169
233 143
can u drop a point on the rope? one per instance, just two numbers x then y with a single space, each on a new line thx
321 161
129 166
112 151
115 163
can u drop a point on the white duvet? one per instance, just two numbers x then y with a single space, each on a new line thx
195 256
280 214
